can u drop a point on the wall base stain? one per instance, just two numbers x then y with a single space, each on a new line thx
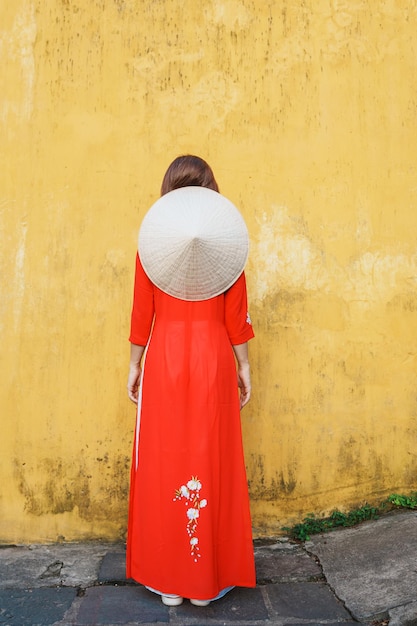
66 487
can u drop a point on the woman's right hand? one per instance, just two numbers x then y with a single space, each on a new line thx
243 372
244 384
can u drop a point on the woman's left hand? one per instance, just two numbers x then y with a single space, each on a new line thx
133 382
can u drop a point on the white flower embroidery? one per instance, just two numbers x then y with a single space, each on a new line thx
184 491
194 484
191 494
193 514
248 319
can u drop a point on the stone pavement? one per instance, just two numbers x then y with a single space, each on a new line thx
364 575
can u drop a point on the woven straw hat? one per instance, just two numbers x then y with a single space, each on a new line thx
193 243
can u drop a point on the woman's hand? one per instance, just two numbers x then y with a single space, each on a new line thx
133 381
135 372
243 381
243 372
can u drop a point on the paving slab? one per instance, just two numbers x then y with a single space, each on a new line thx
113 568
106 605
285 562
309 601
69 564
372 567
237 606
34 607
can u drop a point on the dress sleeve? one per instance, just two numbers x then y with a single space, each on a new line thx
238 323
143 307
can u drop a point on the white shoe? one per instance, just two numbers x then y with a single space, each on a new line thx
172 600
200 602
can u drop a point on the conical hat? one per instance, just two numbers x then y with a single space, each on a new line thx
193 243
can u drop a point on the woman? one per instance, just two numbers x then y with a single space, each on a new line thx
189 529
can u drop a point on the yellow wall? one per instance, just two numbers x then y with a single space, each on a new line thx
307 112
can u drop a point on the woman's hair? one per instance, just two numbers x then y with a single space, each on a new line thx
188 171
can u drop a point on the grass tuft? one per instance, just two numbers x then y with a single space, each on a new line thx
312 525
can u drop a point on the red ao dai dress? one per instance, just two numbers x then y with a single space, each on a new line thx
189 528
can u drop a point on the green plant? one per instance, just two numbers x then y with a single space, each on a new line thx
407 502
312 525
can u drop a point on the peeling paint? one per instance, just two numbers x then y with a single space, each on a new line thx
16 45
286 257
19 276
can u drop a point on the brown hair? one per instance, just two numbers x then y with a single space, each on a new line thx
188 171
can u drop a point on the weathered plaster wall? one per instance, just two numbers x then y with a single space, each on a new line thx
307 112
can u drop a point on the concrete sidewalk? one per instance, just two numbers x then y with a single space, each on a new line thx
365 575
